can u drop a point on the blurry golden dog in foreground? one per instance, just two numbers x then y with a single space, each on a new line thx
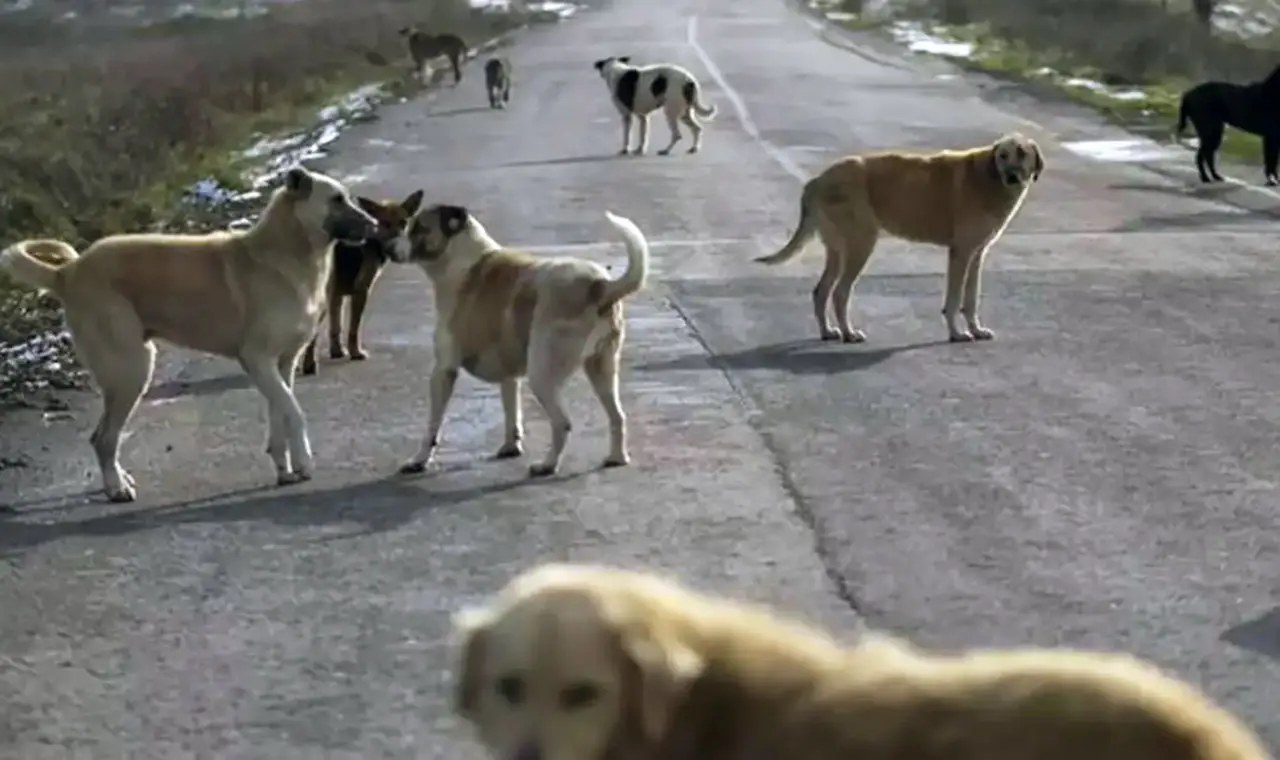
574 662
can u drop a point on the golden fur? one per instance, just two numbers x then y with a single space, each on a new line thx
253 295
579 662
959 199
356 268
505 314
423 47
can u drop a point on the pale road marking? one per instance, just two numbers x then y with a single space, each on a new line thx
748 124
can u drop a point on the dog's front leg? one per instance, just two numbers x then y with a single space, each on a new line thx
443 379
1271 157
626 134
513 420
958 258
644 134
356 316
285 414
309 355
973 293
335 326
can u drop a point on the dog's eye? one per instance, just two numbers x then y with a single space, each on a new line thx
511 689
578 696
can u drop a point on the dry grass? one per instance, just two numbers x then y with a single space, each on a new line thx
104 127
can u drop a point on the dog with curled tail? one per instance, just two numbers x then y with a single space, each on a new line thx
638 91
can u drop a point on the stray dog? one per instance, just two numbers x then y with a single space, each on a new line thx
424 47
497 81
574 662
355 270
253 295
960 199
504 314
640 90
1253 108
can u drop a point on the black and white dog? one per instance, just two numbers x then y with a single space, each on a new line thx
640 90
497 81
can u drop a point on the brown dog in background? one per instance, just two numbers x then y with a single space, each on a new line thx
423 47
959 199
577 662
356 267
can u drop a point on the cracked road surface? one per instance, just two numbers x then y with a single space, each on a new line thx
1102 474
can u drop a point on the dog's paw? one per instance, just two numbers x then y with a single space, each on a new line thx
337 352
616 460
624 152
414 467
694 149
510 451
854 336
308 368
830 334
982 333
292 477
358 354
542 470
123 495
960 337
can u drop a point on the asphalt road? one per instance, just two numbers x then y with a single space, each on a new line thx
1100 475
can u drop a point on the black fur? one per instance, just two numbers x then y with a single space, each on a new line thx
453 219
625 88
690 91
1253 108
348 258
497 82
658 87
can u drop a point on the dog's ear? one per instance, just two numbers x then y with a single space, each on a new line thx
297 181
404 31
471 630
600 64
624 58
453 219
412 203
658 671
369 206
1039 168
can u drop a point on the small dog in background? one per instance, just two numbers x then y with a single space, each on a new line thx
356 267
1253 108
497 81
638 91
424 47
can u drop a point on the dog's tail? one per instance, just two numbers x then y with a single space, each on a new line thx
693 96
1182 120
806 228
637 272
38 263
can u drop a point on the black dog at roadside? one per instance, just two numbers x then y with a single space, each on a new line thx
1253 108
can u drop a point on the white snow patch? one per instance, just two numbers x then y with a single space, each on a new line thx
1246 22
1102 89
1129 150
919 40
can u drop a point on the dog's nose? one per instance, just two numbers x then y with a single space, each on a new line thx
528 751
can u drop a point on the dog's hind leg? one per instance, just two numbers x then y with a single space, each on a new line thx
857 251
695 128
513 420
672 112
1210 140
552 359
822 293
356 316
602 371
290 445
121 362
1271 156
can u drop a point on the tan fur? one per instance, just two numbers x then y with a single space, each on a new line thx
505 314
959 199
424 47
577 662
356 269
253 295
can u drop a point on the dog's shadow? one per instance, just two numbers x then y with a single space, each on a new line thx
370 507
459 111
807 357
567 160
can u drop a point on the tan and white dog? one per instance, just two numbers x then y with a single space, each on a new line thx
577 662
504 315
254 296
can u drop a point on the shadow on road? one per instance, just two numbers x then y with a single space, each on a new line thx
561 161
808 357
1260 635
458 111
1209 217
372 507
210 386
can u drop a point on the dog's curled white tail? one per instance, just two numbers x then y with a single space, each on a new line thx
18 263
637 272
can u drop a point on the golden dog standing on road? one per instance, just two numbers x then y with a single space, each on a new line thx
255 296
503 314
960 199
574 662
